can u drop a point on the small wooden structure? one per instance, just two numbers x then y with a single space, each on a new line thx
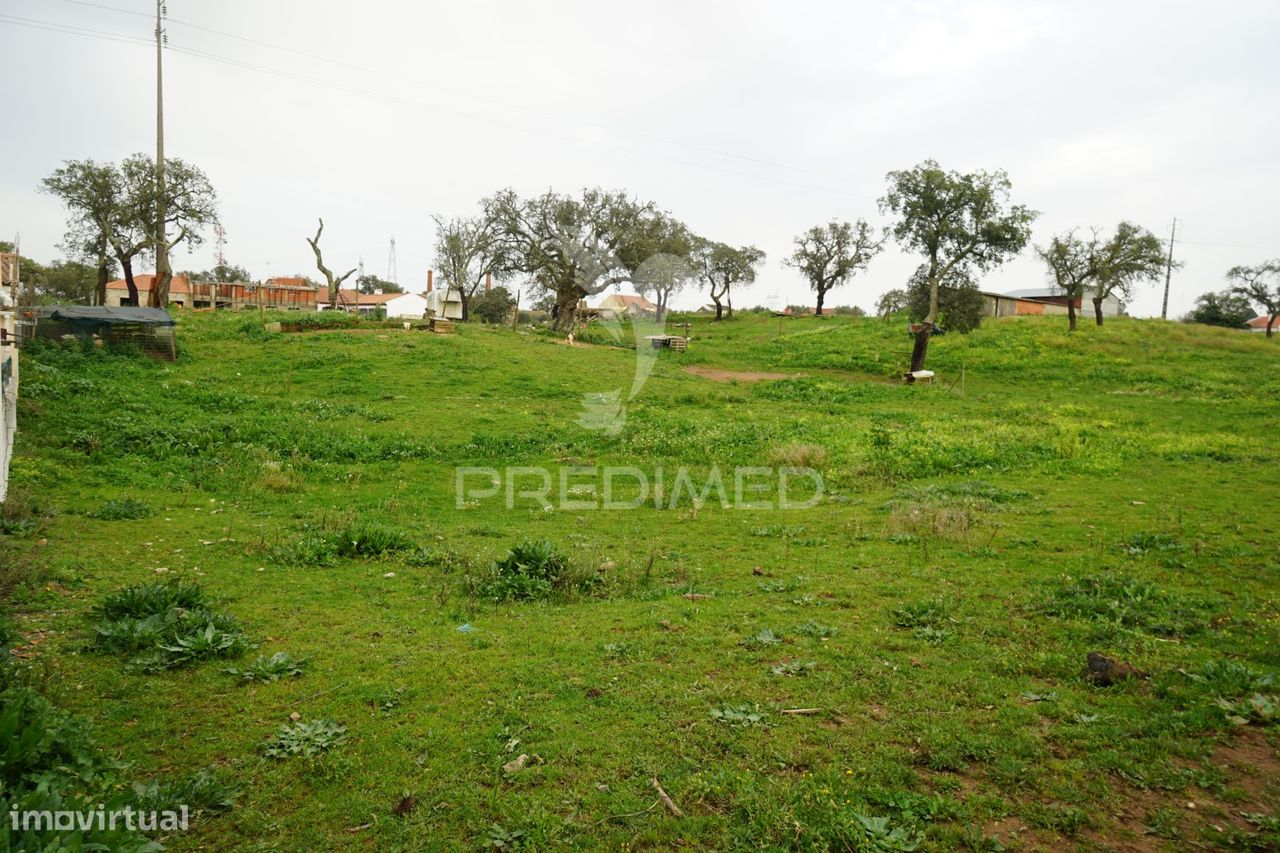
673 342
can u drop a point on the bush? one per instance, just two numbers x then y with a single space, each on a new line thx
160 626
530 570
493 306
305 739
265 669
126 509
1129 603
371 540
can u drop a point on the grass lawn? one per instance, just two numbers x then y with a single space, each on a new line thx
1114 490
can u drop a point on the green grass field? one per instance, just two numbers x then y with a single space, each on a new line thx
1114 490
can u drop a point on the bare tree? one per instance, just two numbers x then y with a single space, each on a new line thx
1260 284
829 255
334 283
470 250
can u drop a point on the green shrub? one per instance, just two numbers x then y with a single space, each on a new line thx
150 599
1130 603
370 540
310 550
125 509
265 669
445 559
741 716
305 739
160 626
530 570
202 791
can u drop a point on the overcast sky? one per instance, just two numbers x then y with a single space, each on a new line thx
749 120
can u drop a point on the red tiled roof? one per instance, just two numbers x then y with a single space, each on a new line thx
288 281
145 281
1261 322
351 297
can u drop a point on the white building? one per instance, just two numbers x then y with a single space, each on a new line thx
446 303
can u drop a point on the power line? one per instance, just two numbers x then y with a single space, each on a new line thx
449 90
84 31
69 29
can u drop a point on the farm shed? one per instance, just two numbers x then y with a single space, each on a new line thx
150 329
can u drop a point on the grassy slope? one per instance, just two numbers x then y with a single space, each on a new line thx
245 443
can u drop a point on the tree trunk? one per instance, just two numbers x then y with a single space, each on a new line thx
567 310
921 348
464 299
1071 313
126 264
101 292
719 308
821 294
729 298
159 297
1097 309
1271 321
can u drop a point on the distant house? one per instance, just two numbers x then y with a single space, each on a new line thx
616 304
1259 324
291 294
1044 300
397 306
118 290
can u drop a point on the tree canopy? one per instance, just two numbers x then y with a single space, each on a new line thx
571 246
962 223
829 255
1261 285
1225 308
722 266
1132 255
374 284
113 210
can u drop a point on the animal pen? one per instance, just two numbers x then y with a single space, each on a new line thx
149 329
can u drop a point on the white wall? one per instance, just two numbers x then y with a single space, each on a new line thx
407 306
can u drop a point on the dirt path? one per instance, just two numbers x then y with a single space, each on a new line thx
719 375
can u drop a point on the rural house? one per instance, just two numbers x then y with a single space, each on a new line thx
118 290
1259 324
616 304
401 306
1043 300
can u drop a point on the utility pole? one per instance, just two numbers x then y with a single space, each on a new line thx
162 241
1168 272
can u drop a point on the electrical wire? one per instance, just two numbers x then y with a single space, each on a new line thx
177 48
449 90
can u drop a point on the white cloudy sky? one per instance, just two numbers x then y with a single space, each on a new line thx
749 120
